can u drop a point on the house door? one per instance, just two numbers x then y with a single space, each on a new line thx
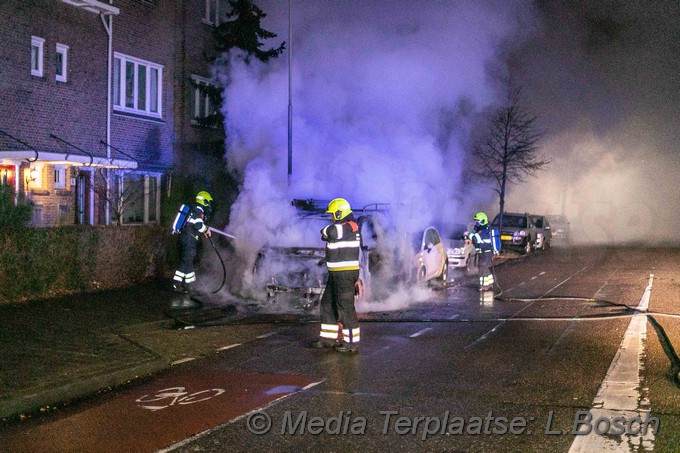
83 198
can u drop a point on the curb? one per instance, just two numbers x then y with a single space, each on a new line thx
18 404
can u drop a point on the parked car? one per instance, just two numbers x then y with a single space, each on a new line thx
517 232
430 263
460 251
561 231
543 232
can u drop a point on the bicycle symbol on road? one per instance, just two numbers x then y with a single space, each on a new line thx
176 395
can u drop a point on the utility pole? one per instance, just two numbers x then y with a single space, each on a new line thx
290 95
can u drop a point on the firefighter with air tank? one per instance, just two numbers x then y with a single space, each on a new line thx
190 225
486 242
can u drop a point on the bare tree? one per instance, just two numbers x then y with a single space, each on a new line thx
508 152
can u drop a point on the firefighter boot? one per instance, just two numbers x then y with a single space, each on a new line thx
179 287
322 344
346 347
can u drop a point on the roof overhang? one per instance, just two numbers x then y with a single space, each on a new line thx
94 6
78 160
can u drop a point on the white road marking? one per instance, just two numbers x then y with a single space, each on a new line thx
265 335
619 395
234 420
420 332
486 334
229 346
454 316
187 359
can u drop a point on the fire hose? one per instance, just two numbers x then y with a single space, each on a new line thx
224 268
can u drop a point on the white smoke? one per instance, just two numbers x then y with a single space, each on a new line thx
603 80
383 98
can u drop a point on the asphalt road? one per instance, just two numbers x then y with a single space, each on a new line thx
560 350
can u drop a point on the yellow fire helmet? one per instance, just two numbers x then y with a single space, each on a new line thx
203 198
339 208
481 218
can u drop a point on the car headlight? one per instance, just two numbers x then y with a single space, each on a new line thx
520 234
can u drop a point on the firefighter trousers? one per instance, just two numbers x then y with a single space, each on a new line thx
337 308
185 275
486 279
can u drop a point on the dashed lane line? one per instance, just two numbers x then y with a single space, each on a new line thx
229 346
420 332
514 315
184 360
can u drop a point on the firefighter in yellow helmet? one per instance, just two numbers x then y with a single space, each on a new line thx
190 224
484 240
338 313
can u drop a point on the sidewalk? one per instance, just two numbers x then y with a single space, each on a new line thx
58 350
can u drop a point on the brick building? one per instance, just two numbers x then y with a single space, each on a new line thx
98 102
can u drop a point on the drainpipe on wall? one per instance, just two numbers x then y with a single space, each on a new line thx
109 31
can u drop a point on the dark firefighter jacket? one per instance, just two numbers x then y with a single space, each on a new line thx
483 239
342 245
195 225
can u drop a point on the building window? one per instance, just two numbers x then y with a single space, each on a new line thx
202 106
137 198
211 16
64 213
61 62
37 55
38 215
59 177
137 86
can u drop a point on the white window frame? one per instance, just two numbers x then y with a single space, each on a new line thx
211 14
62 49
59 177
199 82
121 62
146 201
37 67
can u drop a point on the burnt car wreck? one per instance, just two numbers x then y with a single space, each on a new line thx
295 273
295 276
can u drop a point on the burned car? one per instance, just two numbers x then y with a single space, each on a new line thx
296 275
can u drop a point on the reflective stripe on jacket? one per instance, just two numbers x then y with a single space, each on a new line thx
342 246
483 240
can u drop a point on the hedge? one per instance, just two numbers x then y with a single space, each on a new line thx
39 263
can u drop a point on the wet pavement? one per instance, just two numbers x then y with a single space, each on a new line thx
538 350
59 350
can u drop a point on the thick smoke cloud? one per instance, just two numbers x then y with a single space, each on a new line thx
384 94
603 78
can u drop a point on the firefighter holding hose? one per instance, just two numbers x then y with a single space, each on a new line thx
338 314
190 225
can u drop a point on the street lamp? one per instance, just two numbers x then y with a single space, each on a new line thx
290 96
